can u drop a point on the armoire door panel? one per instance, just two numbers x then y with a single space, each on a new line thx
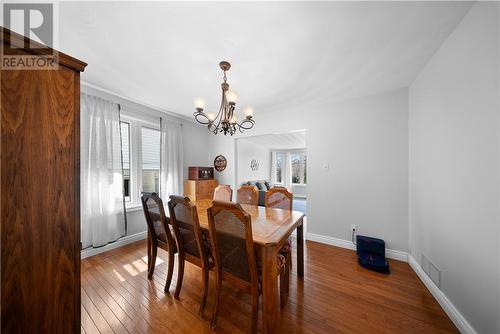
40 198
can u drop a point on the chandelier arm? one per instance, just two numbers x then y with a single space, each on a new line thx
246 124
216 120
220 114
224 106
201 117
215 124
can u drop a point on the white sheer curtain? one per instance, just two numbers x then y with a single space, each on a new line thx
273 167
102 209
287 171
172 163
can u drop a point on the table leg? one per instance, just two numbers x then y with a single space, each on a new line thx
149 252
269 290
300 249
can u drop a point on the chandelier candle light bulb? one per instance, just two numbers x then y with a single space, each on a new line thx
225 120
199 104
248 111
232 97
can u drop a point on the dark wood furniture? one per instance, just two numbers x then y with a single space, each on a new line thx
191 243
270 231
247 195
231 237
223 192
200 173
200 189
40 201
159 234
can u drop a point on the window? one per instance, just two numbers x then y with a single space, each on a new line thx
150 160
299 168
141 141
280 164
125 135
296 161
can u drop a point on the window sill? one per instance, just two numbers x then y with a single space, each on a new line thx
133 207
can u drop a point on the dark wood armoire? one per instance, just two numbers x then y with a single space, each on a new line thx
40 195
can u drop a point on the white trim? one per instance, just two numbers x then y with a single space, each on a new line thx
133 207
450 309
390 253
118 243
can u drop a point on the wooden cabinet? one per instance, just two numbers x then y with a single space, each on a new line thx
40 202
199 189
201 173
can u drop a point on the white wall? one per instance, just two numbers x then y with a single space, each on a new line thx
195 142
194 138
299 190
365 142
454 166
225 145
246 151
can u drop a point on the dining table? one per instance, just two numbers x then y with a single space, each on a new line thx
270 228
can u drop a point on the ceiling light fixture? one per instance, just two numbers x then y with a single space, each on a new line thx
225 120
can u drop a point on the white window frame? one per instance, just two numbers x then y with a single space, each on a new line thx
280 183
127 201
135 146
300 152
293 151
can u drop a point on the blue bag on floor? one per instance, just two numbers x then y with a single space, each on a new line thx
371 254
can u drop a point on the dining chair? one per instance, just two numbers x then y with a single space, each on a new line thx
223 192
247 195
192 244
230 229
160 234
281 198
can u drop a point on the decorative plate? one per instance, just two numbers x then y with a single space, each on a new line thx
220 163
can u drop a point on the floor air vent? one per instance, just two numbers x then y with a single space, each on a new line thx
431 270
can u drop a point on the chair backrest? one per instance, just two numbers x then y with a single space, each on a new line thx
223 192
279 198
230 230
155 218
247 195
186 226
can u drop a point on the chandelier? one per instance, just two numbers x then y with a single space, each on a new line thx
225 120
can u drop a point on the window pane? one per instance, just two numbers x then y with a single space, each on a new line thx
280 160
150 160
299 168
125 134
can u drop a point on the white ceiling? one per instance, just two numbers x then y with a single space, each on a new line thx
280 141
283 54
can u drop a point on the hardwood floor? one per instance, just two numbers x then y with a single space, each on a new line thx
336 296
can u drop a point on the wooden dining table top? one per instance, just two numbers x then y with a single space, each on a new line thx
269 226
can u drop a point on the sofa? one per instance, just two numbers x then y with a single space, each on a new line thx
262 187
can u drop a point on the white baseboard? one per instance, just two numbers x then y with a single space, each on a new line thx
458 319
390 253
118 243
